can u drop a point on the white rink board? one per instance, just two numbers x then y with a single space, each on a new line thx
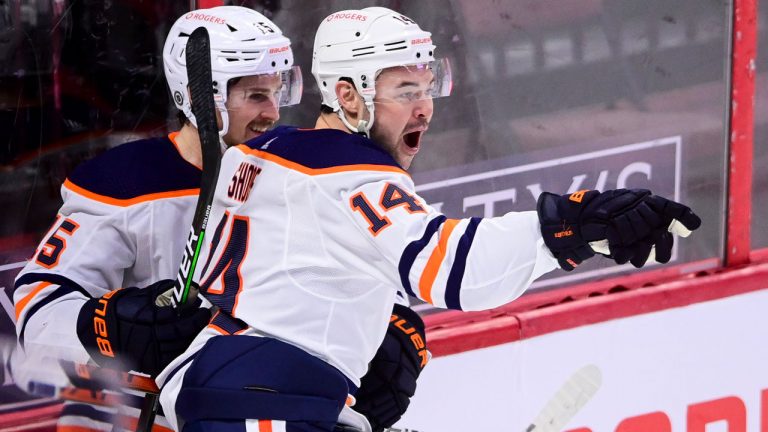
662 361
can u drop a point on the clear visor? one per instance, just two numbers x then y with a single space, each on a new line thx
292 86
415 82
280 89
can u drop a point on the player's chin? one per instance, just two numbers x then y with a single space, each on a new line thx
405 155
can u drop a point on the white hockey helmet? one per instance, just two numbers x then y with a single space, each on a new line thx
243 43
359 44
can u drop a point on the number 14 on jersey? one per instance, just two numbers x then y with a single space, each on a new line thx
391 197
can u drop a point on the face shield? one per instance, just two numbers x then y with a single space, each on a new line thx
292 87
411 83
280 89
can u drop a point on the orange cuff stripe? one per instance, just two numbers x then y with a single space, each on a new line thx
23 303
219 329
433 264
318 171
128 201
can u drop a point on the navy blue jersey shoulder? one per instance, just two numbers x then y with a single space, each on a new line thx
137 168
321 148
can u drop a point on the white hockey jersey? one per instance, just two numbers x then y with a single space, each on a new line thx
124 222
316 230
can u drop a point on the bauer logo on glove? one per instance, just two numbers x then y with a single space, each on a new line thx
125 330
626 225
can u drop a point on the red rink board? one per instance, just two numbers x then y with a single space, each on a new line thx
541 313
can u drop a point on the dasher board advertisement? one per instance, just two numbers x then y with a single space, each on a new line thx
696 368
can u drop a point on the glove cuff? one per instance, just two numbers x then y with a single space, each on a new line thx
97 329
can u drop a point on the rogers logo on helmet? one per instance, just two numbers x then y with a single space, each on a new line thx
278 50
204 17
421 41
349 16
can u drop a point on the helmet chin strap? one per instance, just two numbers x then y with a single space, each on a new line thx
363 126
222 109
225 124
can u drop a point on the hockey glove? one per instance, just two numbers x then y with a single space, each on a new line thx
634 223
125 330
645 231
387 388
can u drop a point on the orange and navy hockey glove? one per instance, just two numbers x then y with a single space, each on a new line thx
386 390
634 223
124 329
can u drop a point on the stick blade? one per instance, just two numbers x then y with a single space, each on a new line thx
569 399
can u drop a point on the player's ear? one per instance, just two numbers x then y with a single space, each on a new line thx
349 98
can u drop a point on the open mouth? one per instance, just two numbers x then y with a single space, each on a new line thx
413 139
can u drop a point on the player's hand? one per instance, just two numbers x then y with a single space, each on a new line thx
646 231
635 224
386 390
125 330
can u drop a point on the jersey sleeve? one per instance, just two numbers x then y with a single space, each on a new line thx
464 264
83 255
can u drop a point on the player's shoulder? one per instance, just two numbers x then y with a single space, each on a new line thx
321 149
134 172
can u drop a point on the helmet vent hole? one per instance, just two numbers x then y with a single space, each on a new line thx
274 64
357 34
418 55
394 46
357 52
324 84
430 53
232 29
285 61
365 85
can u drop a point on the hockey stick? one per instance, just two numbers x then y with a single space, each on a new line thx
569 399
198 55
199 77
83 376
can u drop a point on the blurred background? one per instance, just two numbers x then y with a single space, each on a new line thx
555 95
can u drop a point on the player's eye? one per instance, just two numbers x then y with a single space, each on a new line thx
407 96
257 97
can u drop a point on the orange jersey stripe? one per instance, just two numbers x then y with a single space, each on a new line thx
172 136
318 171
23 302
265 425
129 201
433 264
132 423
65 428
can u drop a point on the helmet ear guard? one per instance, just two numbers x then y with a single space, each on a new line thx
359 44
243 43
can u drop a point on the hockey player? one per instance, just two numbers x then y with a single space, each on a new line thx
88 292
317 230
